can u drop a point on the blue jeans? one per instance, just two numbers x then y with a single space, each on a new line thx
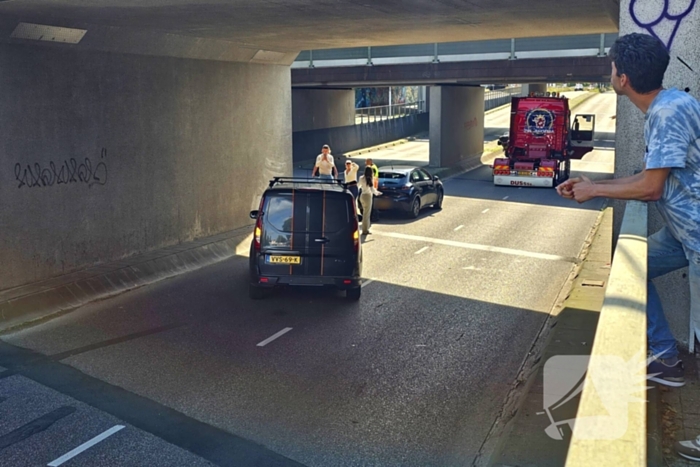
666 254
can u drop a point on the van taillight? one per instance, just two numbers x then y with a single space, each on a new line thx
258 233
356 236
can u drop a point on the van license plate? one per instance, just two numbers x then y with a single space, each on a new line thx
275 259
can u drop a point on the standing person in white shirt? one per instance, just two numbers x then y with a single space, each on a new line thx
351 177
325 165
366 184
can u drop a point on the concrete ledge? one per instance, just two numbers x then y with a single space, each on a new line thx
611 422
26 304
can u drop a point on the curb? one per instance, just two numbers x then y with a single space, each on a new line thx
32 303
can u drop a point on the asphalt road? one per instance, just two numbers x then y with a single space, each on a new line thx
413 375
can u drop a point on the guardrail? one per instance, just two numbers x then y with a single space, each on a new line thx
384 112
611 426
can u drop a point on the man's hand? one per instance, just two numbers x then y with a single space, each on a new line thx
565 189
583 190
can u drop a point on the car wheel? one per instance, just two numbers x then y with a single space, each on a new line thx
353 294
256 293
415 208
441 195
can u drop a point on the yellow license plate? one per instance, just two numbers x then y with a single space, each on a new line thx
524 173
284 259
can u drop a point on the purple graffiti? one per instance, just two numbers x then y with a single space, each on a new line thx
666 10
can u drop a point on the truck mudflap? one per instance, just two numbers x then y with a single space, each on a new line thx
520 180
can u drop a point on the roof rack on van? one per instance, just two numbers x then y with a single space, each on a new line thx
277 180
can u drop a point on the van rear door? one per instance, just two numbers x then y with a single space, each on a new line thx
331 229
307 233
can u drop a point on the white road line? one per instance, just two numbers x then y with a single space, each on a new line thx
459 227
485 211
366 282
87 445
421 250
274 336
473 246
505 197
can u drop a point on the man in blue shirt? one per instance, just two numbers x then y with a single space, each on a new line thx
671 177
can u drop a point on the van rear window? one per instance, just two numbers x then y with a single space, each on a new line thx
305 212
278 212
336 216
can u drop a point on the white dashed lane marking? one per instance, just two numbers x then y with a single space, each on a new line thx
421 250
459 227
274 336
85 446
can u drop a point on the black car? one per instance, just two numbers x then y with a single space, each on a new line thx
408 189
306 234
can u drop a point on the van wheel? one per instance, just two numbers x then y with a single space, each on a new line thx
415 208
353 294
256 293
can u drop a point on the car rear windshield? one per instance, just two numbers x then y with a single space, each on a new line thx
391 175
315 211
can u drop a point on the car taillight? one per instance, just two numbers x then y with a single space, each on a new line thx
258 233
406 188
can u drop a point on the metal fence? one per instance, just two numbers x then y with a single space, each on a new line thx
385 112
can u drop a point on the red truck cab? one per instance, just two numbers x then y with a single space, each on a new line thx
541 142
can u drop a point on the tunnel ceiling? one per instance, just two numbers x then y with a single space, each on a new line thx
294 25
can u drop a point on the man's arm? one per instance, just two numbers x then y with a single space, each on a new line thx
646 186
621 181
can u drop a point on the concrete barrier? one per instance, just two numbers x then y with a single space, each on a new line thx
307 144
611 421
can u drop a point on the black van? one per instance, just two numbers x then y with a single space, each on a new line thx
306 234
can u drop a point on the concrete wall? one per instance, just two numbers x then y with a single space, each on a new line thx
104 155
456 125
629 150
307 144
314 109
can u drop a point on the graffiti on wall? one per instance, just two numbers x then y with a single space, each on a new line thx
67 172
657 15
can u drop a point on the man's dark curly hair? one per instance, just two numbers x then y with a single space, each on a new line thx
643 59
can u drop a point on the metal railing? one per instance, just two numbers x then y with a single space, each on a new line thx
497 49
379 113
611 421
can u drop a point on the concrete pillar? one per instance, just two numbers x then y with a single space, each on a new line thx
314 109
629 147
533 87
456 125
106 155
